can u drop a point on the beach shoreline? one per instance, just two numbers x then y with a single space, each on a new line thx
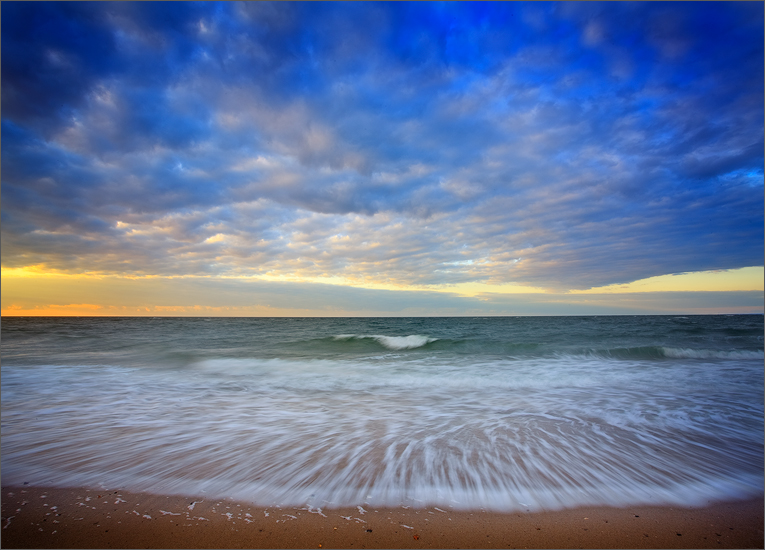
44 517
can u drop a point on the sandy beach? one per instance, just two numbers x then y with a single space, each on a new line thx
37 517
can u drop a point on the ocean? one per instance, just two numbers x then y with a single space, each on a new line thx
497 413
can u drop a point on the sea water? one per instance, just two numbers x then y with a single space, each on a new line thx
499 413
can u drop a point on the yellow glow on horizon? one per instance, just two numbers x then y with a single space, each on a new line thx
461 289
331 280
36 271
26 271
53 310
94 310
746 278
475 289
35 291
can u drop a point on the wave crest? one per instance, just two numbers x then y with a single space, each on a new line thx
391 342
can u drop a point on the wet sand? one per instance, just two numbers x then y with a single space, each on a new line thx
34 517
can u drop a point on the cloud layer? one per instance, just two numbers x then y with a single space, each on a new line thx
199 297
563 146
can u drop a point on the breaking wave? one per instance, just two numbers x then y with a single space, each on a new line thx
390 342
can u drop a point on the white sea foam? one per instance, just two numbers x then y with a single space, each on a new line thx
387 377
319 421
411 341
490 435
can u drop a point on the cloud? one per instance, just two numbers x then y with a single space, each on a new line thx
388 144
200 296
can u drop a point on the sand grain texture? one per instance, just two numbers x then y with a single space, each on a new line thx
34 517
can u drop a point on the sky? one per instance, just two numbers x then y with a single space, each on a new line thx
329 159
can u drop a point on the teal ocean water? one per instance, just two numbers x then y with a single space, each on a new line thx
498 413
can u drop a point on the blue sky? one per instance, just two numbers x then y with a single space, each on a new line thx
466 157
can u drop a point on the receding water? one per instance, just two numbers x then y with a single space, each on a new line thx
496 413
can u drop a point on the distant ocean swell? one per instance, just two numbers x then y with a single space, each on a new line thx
413 341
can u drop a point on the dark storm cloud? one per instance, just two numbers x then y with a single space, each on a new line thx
561 145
